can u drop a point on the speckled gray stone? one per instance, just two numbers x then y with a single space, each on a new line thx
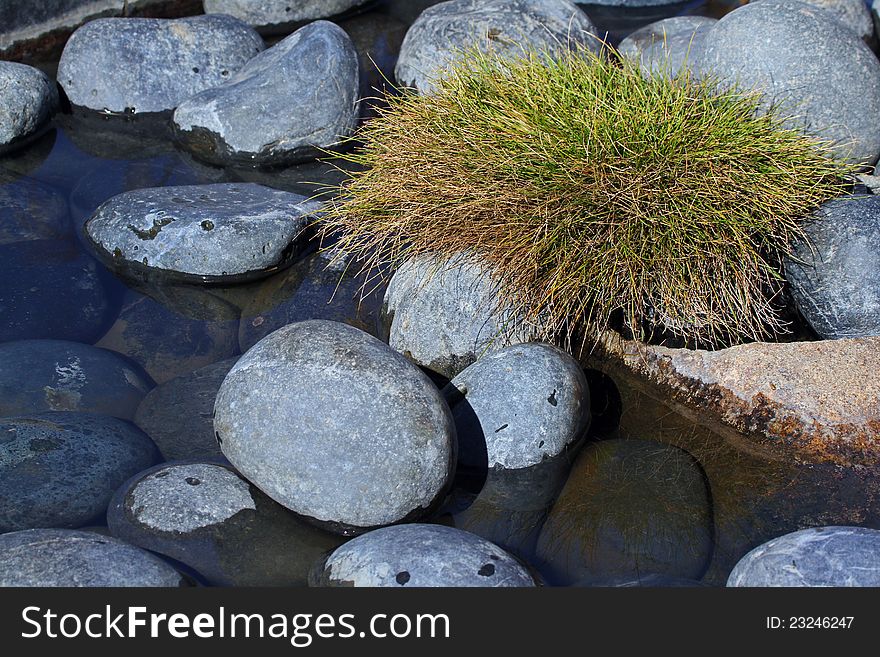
854 14
179 414
279 13
629 507
203 232
316 287
60 469
819 556
667 45
816 70
152 64
420 555
334 425
63 557
28 99
56 375
32 210
208 517
51 290
508 28
518 406
167 344
285 105
835 277
445 315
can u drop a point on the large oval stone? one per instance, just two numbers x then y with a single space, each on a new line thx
60 469
334 425
28 99
152 64
421 555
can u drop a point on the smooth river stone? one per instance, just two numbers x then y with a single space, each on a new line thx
28 99
275 15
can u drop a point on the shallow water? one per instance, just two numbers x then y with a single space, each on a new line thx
173 329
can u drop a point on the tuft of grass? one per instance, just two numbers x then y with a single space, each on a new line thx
592 192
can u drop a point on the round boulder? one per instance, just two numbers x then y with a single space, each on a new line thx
334 425
28 99
288 104
666 46
63 557
420 555
834 274
508 28
819 74
60 469
819 556
518 407
56 375
152 64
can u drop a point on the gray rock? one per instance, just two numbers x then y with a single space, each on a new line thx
165 343
288 104
630 3
28 99
209 518
445 315
32 210
420 555
51 290
179 414
834 276
150 64
819 74
316 287
819 556
54 375
278 14
518 407
60 469
334 425
509 28
225 231
629 507
667 45
854 14
63 557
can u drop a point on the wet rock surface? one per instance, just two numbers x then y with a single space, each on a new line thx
60 469
179 414
28 99
288 104
63 557
57 375
208 517
334 425
506 27
150 65
419 555
602 525
820 556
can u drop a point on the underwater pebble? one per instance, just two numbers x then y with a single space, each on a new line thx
334 425
209 518
57 375
420 555
288 104
819 556
518 406
63 557
60 469
152 64
32 210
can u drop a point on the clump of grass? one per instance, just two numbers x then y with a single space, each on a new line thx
591 191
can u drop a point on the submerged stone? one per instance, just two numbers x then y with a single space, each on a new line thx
60 469
152 64
57 375
289 103
202 232
64 557
420 555
208 517
32 210
334 425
